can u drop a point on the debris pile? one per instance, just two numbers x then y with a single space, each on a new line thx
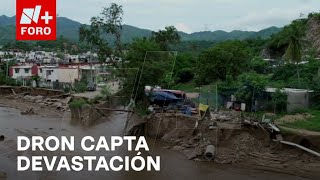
28 112
59 104
228 137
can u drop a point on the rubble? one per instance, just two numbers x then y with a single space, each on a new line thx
28 112
236 139
178 148
59 104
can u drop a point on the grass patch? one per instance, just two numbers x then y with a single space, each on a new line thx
311 124
78 103
285 131
187 87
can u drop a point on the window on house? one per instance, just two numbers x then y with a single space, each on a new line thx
16 70
26 70
40 70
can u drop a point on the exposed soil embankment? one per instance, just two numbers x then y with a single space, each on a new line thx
309 139
12 90
244 146
89 113
167 125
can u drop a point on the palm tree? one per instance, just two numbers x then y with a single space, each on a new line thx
293 53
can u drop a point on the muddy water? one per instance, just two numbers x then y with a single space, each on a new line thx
173 165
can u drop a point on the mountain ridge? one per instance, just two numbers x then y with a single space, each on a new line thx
69 29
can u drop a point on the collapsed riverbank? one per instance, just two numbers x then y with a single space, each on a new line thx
234 145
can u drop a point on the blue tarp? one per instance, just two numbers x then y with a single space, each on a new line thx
163 96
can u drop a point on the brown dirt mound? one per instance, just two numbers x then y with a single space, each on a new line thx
294 118
246 146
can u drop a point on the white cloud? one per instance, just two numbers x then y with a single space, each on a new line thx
183 27
273 17
188 15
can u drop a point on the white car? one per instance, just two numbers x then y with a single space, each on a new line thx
101 84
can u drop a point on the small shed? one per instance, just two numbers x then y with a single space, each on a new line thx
296 98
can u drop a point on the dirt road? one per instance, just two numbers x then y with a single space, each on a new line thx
112 86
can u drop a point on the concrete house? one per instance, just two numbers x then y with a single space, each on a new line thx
296 98
23 73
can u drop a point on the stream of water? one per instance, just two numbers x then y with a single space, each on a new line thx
174 165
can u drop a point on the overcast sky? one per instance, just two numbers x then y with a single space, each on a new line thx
189 15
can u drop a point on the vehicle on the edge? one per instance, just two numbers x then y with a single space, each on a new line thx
91 86
101 84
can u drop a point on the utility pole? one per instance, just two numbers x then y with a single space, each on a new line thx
90 57
7 73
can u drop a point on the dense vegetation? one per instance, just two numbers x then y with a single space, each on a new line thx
70 29
234 62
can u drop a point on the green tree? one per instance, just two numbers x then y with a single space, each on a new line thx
259 65
185 67
166 37
293 52
279 101
109 23
112 24
251 88
227 58
155 67
279 42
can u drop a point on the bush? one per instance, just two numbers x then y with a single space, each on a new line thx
185 75
78 103
259 65
80 87
67 89
105 93
8 81
279 101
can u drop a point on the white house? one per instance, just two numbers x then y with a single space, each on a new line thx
23 71
49 73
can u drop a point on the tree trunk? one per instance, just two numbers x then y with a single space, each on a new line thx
298 72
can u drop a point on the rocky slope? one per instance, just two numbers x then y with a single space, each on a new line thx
313 33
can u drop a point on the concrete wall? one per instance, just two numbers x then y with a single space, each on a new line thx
297 100
68 75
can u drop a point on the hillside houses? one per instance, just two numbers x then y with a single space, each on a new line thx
47 69
47 75
44 57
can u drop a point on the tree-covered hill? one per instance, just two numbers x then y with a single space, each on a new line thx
309 31
69 29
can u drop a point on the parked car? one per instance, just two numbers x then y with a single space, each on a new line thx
91 86
101 84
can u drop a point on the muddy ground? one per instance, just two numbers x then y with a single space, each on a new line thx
241 153
235 144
